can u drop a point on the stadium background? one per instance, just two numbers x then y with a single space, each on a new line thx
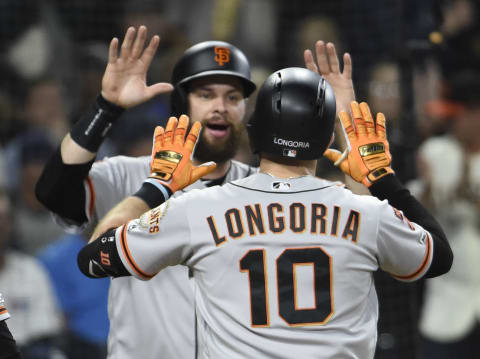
66 42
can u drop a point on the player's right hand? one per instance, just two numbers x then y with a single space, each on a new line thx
368 158
124 81
171 164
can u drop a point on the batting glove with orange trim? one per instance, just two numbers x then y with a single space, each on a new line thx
171 164
367 157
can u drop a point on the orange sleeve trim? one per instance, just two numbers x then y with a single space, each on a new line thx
425 262
3 310
128 255
91 205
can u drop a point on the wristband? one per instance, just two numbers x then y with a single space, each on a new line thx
92 128
153 193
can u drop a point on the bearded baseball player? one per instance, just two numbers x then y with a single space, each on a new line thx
282 261
211 83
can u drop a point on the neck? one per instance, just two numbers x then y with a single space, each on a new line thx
287 168
220 171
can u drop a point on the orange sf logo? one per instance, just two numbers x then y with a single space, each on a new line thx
222 55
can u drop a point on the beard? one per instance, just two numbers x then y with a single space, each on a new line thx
219 151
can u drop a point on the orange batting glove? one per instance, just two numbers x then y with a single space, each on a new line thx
367 158
171 164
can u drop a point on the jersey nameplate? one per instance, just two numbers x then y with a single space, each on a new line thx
257 219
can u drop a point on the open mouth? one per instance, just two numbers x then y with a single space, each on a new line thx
218 129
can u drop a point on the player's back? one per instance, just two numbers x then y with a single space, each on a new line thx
283 268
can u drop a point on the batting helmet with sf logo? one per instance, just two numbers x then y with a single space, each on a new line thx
206 59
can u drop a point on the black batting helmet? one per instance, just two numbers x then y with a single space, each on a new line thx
205 59
294 115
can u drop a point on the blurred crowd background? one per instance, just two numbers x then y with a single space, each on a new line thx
416 61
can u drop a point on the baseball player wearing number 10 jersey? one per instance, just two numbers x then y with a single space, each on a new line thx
282 260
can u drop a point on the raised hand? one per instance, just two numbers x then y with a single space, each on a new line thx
171 164
124 82
329 67
369 157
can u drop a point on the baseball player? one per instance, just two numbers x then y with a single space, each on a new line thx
211 83
282 260
8 345
157 319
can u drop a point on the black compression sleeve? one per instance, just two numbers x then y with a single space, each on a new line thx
390 188
8 345
90 131
100 258
60 188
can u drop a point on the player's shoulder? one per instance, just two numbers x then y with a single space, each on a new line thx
362 200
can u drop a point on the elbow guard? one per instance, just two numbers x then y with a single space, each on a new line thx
60 188
100 258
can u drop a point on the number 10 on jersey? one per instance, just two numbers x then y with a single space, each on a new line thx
254 264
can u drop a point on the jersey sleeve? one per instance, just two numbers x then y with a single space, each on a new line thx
405 249
159 238
3 309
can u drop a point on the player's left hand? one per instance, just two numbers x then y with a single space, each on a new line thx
328 66
367 158
171 164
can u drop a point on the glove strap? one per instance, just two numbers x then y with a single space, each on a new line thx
159 186
153 193
379 173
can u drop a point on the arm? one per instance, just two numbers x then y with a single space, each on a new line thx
369 163
328 65
123 86
398 196
171 170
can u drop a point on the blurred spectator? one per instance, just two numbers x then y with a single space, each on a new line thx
43 112
310 29
460 31
384 94
44 108
247 24
449 185
34 225
173 39
11 98
35 322
133 136
82 301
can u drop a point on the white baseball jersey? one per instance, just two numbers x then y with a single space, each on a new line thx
147 319
282 268
3 309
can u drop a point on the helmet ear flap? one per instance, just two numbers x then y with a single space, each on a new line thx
254 134
179 102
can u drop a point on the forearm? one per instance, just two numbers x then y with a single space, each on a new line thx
130 208
100 258
72 153
390 188
60 187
